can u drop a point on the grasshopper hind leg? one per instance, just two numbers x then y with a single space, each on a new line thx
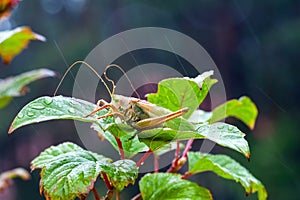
154 122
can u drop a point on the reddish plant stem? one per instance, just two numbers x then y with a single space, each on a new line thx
179 162
109 195
186 175
96 194
118 196
144 157
156 164
173 166
137 197
187 148
107 183
120 147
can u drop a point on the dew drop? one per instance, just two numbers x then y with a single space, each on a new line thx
20 115
48 100
38 106
59 105
220 127
30 114
71 110
230 128
73 103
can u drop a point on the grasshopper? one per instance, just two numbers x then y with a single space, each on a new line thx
137 113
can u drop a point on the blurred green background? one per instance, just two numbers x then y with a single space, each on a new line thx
255 45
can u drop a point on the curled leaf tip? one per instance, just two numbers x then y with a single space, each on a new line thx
252 126
10 130
248 157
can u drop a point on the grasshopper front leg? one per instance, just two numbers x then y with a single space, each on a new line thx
106 105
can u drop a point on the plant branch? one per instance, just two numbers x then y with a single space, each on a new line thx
187 148
96 194
107 183
137 197
109 194
179 162
156 164
118 196
120 147
186 175
143 158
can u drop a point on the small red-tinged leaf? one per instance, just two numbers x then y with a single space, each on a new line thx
6 7
5 177
12 42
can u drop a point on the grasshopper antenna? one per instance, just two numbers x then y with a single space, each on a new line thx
113 83
93 70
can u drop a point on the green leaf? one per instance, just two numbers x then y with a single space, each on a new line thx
227 168
243 109
166 186
121 173
54 108
131 146
159 137
15 86
5 177
225 135
200 116
68 171
60 107
12 42
177 93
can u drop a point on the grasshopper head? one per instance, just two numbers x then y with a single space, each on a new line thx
122 102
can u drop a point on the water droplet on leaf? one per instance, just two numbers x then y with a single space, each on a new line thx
220 127
38 106
71 110
30 114
20 115
230 128
48 100
73 103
